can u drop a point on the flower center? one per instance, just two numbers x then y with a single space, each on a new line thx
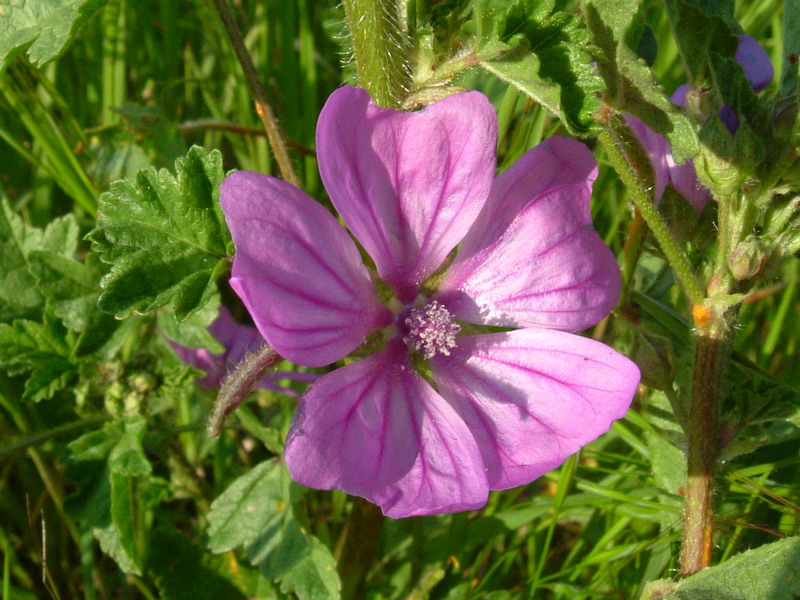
430 329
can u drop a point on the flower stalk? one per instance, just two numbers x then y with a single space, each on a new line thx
380 49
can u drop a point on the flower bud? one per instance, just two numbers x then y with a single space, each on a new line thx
656 359
748 258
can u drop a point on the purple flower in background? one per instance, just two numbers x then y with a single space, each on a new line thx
238 340
758 71
436 416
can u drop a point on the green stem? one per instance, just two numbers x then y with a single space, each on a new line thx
113 88
631 163
358 547
712 355
380 49
631 253
263 108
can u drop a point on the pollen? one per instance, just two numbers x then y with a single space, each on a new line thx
430 330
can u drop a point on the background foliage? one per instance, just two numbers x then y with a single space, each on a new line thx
118 120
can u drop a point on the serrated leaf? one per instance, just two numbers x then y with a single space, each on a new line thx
256 502
41 348
108 466
71 287
193 332
632 87
44 27
165 237
315 578
174 561
698 34
127 455
19 296
771 572
121 541
544 54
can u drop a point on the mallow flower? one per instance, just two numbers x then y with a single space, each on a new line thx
464 376
238 340
758 71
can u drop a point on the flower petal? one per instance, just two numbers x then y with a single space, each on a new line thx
684 179
408 185
658 151
376 429
297 271
754 59
532 397
532 258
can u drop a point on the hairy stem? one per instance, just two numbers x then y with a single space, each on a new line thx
238 384
380 49
263 108
712 355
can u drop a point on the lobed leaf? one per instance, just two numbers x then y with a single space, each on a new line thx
165 238
19 296
44 27
544 54
615 27
41 348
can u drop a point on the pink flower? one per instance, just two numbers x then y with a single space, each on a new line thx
436 416
238 341
757 70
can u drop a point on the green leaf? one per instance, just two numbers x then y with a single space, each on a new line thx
719 8
165 237
616 28
193 332
254 503
41 348
176 564
19 296
127 455
698 34
120 539
71 287
544 54
44 27
668 462
771 572
315 578
256 512
108 465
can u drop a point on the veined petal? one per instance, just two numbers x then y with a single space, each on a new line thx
408 185
297 271
376 429
533 258
532 397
